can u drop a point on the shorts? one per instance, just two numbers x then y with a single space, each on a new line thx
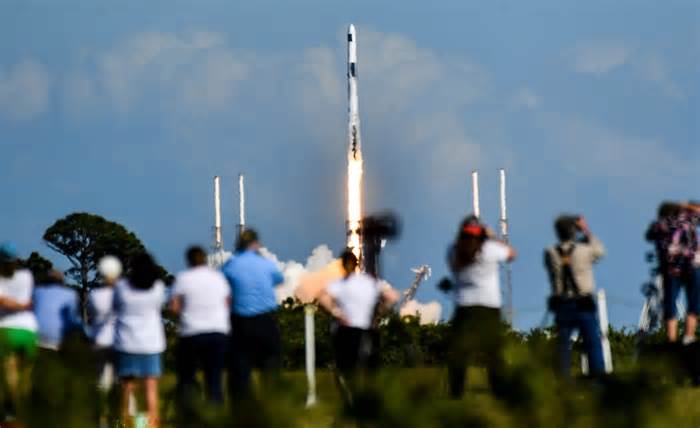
672 288
137 365
18 341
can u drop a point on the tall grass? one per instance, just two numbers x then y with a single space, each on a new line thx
645 394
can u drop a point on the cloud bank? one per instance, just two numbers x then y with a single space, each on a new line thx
24 91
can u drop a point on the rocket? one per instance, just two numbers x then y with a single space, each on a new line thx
354 219
354 140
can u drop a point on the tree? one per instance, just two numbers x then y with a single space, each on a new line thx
84 239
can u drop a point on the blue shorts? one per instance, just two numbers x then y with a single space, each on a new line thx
672 288
137 365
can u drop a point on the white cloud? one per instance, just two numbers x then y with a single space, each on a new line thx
654 69
604 56
196 73
590 150
24 90
600 57
397 75
526 98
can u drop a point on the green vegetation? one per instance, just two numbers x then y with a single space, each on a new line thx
409 391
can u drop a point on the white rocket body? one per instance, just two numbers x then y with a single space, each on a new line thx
241 203
354 140
218 238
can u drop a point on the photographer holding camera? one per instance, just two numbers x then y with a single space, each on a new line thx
477 328
570 267
674 234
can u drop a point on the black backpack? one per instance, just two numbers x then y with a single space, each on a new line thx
570 292
567 273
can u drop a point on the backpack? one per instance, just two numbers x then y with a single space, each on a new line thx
570 294
567 273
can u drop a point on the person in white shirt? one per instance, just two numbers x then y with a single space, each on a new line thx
201 299
18 325
474 260
354 302
139 336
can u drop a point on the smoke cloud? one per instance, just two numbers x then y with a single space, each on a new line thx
320 258
292 270
428 313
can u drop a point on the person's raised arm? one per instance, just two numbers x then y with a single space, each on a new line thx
597 250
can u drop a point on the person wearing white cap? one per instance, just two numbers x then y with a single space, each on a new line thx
102 319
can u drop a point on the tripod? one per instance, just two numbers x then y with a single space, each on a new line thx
651 316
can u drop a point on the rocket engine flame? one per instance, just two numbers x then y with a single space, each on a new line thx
354 204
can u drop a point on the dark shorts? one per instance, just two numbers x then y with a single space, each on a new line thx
137 365
672 288
354 348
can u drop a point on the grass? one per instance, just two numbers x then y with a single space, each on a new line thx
417 397
646 395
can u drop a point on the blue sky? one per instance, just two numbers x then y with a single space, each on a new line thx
128 110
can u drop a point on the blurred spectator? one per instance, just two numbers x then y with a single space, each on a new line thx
201 298
102 320
569 264
139 337
255 335
18 328
674 234
474 259
354 302
56 311
102 317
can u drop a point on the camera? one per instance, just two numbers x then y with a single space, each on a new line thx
380 226
375 231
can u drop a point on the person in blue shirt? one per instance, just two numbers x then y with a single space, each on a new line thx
56 311
255 336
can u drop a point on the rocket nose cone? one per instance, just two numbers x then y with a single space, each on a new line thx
351 33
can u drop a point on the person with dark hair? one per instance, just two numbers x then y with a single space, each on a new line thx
476 326
139 337
569 264
354 302
674 234
255 336
18 327
201 299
